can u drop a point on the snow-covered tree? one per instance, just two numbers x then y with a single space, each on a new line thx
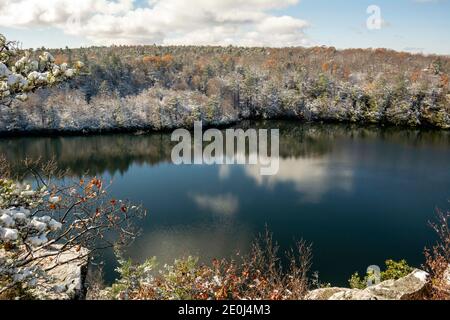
20 72
41 221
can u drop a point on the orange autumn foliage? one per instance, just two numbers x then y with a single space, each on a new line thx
167 59
415 75
444 80
61 58
325 67
346 73
158 60
270 64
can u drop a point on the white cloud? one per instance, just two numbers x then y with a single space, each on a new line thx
224 22
226 204
224 172
311 177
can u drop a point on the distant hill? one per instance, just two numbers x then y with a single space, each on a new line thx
153 87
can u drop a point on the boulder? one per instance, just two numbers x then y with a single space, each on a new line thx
66 280
323 294
411 287
354 294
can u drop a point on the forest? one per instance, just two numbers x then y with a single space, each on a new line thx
163 87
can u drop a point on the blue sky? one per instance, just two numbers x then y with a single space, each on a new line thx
408 25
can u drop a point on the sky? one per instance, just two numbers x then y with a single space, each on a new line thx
404 25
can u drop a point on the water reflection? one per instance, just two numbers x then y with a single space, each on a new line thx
117 153
361 195
311 177
223 204
205 241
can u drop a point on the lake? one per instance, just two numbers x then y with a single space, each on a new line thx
360 195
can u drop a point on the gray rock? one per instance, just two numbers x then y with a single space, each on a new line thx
66 280
410 287
354 294
323 294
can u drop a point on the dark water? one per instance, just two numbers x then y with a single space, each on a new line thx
360 196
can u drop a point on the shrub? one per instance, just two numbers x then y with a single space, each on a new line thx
256 276
394 270
437 262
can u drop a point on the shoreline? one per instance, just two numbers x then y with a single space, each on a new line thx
45 133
